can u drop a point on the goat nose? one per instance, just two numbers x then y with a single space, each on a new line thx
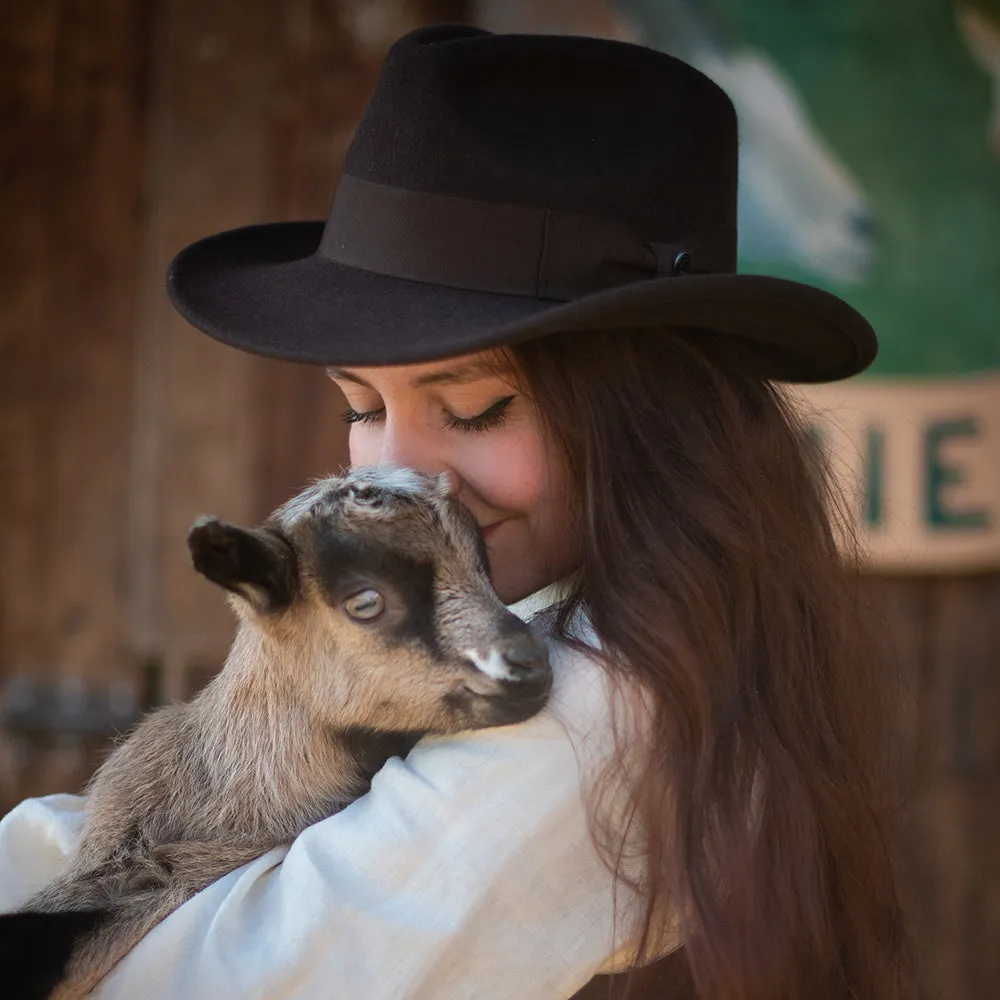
527 657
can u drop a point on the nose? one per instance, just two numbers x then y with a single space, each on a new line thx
402 451
402 444
527 660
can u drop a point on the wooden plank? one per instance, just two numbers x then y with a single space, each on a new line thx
955 867
92 202
27 60
965 651
981 927
253 106
900 614
72 89
27 57
947 640
332 54
194 448
325 81
938 875
900 610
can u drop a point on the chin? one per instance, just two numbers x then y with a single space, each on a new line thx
506 593
512 589
516 571
508 588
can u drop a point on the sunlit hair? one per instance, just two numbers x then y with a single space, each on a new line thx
711 574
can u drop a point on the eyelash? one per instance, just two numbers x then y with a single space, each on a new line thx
492 416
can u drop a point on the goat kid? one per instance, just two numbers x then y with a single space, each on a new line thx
366 619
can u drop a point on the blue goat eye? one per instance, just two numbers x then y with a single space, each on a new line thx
365 605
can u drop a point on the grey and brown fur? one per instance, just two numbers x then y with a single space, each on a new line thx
310 703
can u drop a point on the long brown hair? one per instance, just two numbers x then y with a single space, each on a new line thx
711 573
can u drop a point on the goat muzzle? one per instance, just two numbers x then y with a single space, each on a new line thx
515 671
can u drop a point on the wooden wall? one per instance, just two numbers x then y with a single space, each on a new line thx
130 128
73 76
946 631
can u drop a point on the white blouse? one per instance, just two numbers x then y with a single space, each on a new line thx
467 871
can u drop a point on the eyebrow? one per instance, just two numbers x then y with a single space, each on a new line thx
452 376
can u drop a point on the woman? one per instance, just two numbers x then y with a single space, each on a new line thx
527 279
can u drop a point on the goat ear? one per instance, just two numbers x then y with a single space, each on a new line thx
256 563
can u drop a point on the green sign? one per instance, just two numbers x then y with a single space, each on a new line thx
870 156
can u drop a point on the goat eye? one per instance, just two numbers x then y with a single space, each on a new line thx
365 605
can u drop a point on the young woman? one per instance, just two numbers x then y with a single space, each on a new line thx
527 278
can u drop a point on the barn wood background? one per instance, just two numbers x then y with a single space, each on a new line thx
130 128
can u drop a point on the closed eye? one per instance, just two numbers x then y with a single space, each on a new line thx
492 416
351 416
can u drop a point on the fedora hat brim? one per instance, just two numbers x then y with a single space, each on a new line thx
264 289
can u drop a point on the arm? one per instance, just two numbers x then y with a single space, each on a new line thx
468 870
36 839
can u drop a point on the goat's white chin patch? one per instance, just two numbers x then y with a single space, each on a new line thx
493 665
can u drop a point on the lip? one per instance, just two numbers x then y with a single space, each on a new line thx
489 529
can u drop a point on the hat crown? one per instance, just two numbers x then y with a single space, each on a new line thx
505 187
570 124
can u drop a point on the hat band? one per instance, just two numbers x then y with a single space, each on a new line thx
504 249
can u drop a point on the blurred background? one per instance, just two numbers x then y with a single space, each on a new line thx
870 165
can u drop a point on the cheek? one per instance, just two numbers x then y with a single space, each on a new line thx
514 473
511 470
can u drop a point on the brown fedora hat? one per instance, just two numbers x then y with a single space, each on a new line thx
502 187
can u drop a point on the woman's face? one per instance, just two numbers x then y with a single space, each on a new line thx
464 416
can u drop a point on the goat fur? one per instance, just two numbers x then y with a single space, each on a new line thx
309 704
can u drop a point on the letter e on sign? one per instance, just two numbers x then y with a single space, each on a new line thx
946 472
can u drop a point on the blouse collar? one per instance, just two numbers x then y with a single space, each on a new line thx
542 599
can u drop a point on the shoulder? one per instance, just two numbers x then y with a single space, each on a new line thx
596 708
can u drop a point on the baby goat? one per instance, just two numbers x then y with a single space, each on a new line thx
366 618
